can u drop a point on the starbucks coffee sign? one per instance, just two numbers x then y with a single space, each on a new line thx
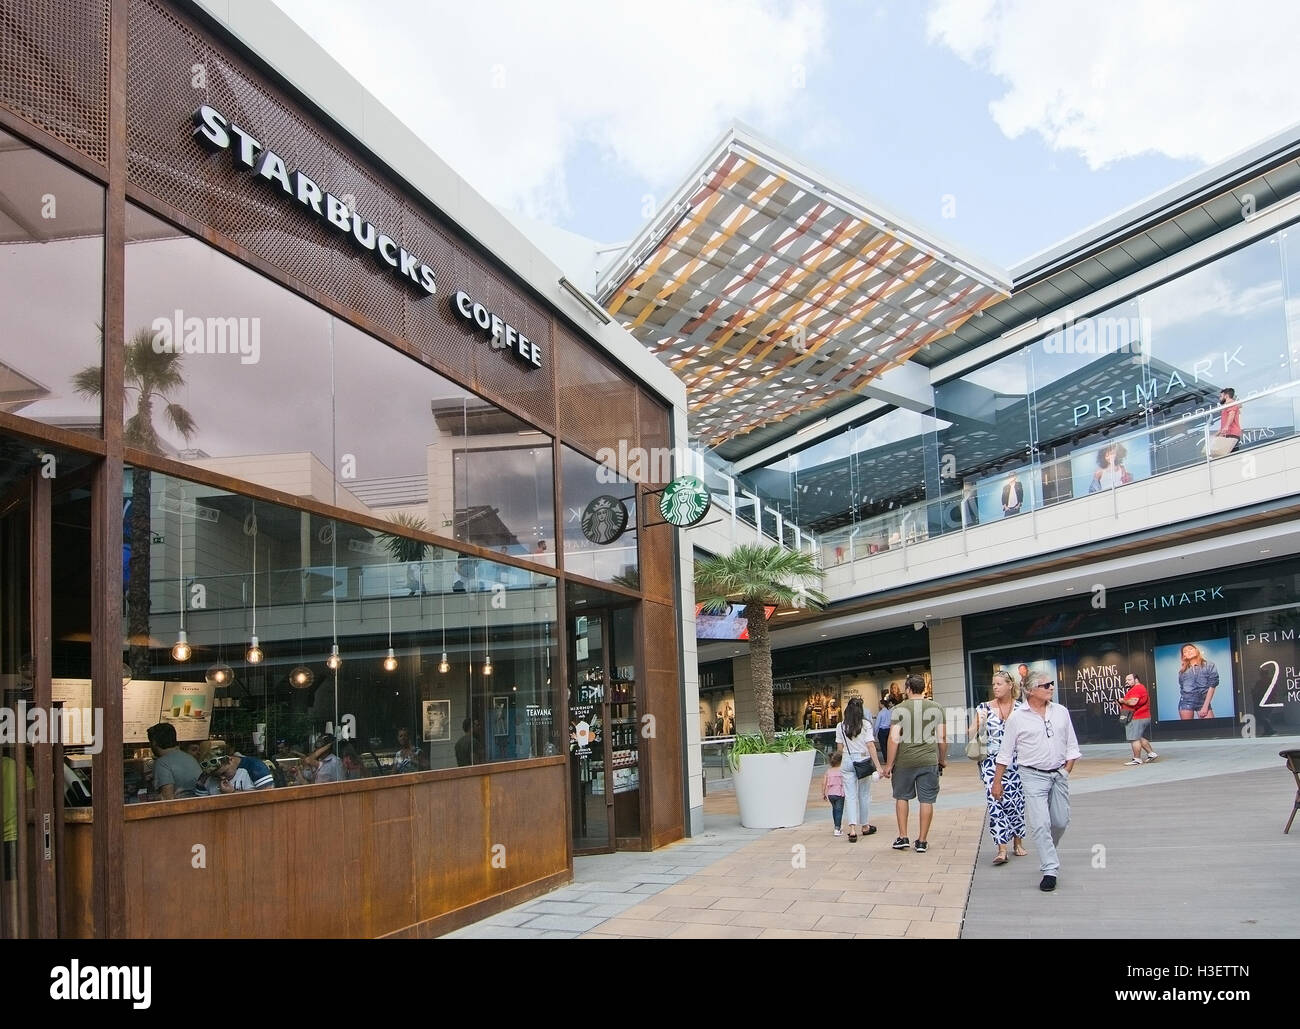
216 132
604 519
685 502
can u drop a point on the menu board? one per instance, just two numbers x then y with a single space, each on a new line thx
141 702
188 707
145 702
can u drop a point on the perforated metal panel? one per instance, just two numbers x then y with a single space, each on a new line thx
54 69
655 435
657 558
663 699
173 68
598 405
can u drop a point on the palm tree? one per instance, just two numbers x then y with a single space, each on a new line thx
152 376
759 577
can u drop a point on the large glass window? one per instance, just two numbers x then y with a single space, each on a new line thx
435 667
51 290
225 369
439 459
598 543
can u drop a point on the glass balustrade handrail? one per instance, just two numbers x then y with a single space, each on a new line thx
914 522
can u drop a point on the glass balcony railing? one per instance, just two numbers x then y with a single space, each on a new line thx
1102 465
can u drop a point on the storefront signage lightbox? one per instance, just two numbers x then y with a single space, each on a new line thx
685 502
604 519
214 131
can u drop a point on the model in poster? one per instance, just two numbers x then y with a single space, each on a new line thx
1110 469
1228 438
1013 495
1197 681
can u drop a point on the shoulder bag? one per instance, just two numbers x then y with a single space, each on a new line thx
1126 716
863 768
977 747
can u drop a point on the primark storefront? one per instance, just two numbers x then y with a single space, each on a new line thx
1219 651
295 465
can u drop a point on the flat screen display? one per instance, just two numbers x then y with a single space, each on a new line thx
733 625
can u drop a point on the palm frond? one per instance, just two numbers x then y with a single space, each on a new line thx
89 382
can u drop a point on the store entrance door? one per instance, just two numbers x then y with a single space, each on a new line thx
30 759
603 727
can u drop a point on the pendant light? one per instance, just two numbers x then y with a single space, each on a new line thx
487 657
335 660
444 666
181 649
254 653
390 662
301 677
220 674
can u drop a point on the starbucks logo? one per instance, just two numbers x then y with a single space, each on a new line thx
685 502
604 519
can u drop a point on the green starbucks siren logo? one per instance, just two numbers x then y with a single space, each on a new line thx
604 519
685 502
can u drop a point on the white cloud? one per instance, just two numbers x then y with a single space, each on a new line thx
505 91
1110 79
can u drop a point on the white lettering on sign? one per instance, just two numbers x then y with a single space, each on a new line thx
495 329
215 132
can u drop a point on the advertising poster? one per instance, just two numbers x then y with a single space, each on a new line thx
1194 680
1021 670
1270 658
188 707
1017 482
437 721
1091 685
1110 464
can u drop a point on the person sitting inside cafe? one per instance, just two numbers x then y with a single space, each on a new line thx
322 764
226 771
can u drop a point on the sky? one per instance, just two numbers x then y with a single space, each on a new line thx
1000 127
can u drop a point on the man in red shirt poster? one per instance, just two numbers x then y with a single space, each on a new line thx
1228 438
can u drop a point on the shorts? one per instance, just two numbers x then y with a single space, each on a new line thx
920 781
1192 703
1137 729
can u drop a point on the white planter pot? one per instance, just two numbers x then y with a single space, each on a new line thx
772 789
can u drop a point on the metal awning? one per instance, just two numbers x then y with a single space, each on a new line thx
771 291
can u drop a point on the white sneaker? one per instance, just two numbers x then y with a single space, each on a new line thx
838 833
1134 761
1152 756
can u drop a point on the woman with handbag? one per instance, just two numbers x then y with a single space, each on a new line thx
1007 815
855 739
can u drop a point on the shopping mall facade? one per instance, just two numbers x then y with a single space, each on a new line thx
1029 480
303 441
300 441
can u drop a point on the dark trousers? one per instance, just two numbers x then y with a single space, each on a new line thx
837 809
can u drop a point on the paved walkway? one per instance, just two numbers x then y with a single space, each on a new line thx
1188 846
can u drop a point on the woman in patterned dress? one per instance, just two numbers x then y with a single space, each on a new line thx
1007 816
